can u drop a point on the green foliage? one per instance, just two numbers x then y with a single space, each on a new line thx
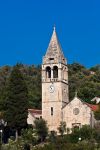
90 140
13 145
52 136
95 68
28 80
41 128
80 79
16 100
62 128
76 67
86 83
84 145
97 132
28 136
32 77
67 146
97 113
85 133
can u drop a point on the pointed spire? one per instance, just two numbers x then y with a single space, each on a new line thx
54 49
54 28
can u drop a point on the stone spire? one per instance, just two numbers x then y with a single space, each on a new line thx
54 51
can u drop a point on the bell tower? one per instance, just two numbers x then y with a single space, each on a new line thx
54 84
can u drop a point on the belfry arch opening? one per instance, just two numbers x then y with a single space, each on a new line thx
48 72
55 72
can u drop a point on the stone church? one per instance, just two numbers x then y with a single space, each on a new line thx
56 106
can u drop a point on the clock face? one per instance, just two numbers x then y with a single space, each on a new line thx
51 88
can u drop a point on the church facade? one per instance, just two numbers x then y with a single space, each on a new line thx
56 106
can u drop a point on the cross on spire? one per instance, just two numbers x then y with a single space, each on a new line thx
76 93
54 28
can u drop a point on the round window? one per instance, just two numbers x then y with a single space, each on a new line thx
75 111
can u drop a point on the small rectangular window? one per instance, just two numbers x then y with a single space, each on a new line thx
51 58
51 111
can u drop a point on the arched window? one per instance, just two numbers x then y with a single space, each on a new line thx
48 72
55 72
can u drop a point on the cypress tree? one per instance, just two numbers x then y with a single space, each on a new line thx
16 102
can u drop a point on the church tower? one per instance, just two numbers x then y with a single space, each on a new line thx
54 84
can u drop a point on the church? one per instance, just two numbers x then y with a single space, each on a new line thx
56 106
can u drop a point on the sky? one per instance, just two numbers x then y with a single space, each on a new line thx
26 27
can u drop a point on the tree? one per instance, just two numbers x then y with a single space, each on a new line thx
52 136
97 113
68 130
16 101
86 132
95 68
62 128
28 137
41 128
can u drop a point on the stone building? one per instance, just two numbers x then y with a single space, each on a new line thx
32 115
54 83
56 106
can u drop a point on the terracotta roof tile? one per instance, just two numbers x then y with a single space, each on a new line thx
93 107
35 111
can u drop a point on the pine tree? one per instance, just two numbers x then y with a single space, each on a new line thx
16 102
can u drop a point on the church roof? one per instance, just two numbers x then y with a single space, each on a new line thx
35 111
54 49
93 107
54 45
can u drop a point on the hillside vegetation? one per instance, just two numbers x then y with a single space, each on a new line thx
85 81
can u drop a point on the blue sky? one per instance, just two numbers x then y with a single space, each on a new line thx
26 27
